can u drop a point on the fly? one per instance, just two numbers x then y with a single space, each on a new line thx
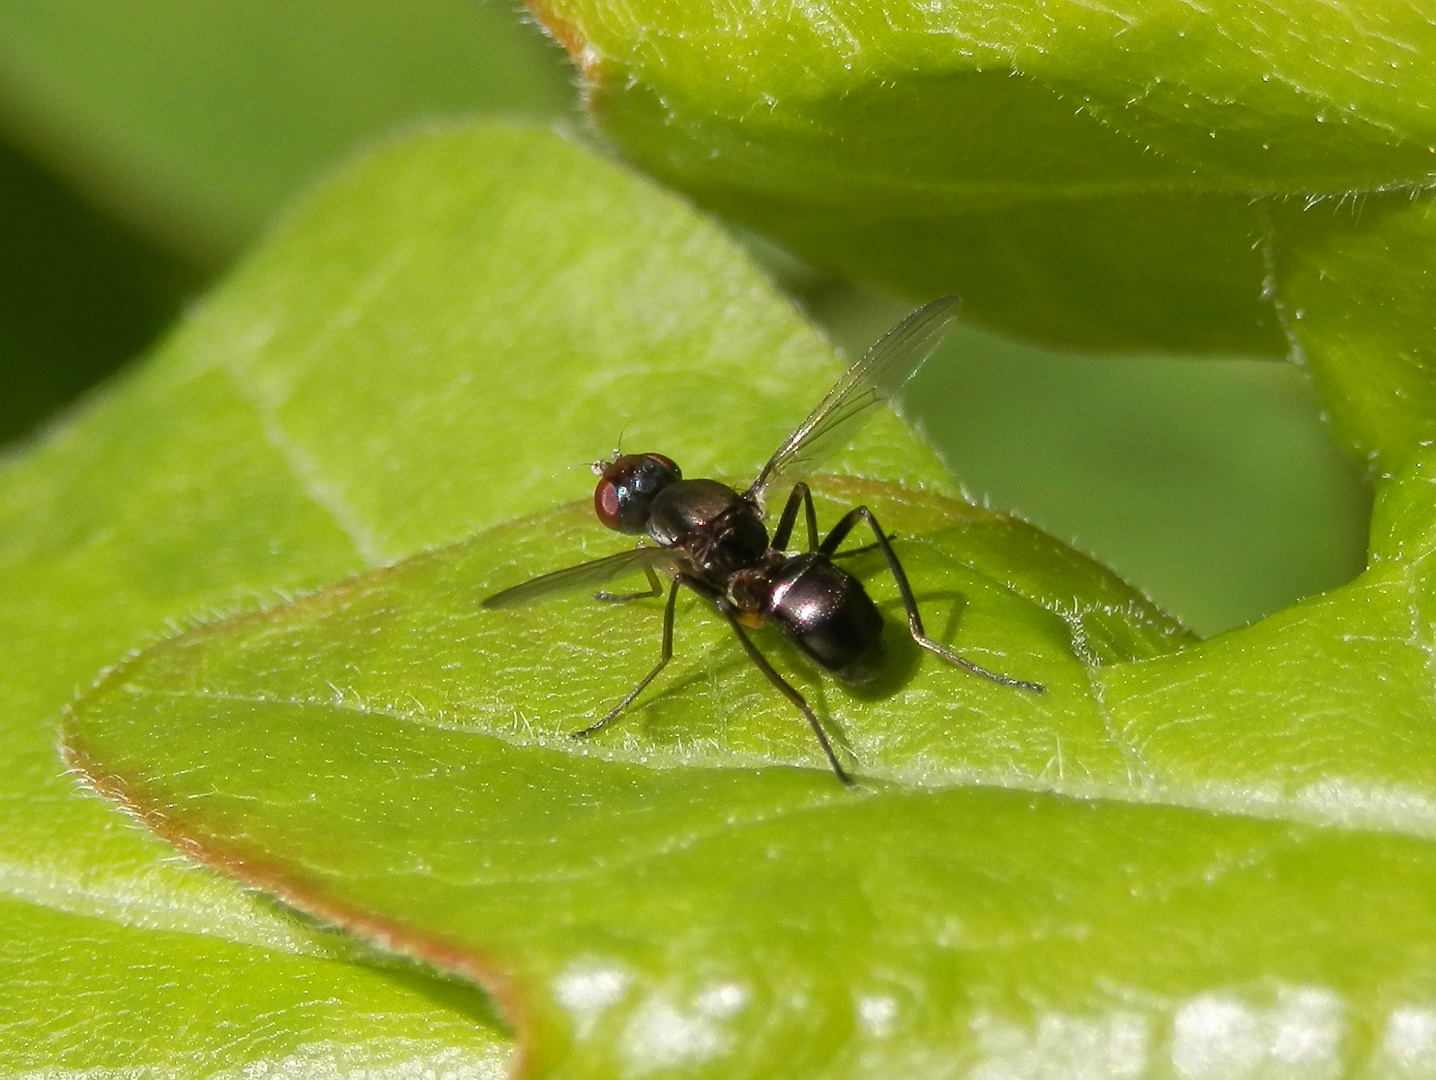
711 539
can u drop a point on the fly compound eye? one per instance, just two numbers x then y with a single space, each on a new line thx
607 505
626 488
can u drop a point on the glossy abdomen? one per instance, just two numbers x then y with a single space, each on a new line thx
829 615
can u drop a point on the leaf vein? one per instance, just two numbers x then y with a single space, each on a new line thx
312 481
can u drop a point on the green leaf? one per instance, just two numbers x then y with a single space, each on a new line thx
378 379
195 122
1209 860
1231 868
1172 177
392 756
92 996
1356 288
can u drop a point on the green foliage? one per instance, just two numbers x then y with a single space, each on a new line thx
195 123
1244 179
186 128
79 294
376 381
1206 482
1183 859
1084 875
99 997
393 757
1356 281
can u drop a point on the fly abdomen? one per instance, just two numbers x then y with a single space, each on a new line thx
829 615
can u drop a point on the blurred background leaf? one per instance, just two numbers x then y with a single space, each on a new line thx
1133 176
195 122
152 138
1212 483
79 292
143 144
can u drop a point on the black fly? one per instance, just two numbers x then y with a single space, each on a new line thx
710 539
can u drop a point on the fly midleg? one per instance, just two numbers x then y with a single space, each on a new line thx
665 656
800 495
655 588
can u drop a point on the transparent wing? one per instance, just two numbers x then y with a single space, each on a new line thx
589 575
875 378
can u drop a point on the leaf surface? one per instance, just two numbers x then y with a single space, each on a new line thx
1235 179
349 398
1170 858
86 995
411 775
1207 858
195 123
1177 859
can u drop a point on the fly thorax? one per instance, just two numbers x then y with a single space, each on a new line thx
687 510
746 532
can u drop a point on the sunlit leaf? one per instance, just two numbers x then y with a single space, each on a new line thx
376 381
392 756
1180 857
1239 179
1191 862
197 121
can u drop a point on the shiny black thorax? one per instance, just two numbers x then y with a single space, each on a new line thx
719 530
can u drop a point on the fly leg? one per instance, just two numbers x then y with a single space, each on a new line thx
787 690
914 620
784 529
800 496
655 588
860 550
664 657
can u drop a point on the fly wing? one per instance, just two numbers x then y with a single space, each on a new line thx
875 378
584 576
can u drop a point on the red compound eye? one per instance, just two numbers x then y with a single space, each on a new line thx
627 487
606 503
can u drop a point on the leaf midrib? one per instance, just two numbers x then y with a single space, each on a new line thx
1212 798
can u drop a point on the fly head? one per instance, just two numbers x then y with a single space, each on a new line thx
627 486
